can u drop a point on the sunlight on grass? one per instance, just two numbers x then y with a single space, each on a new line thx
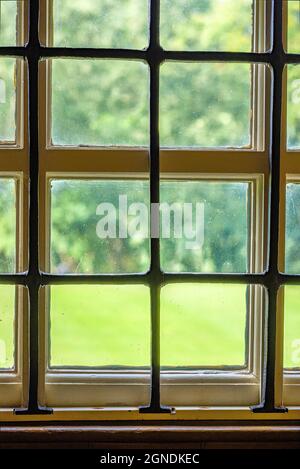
292 327
203 325
7 299
100 325
110 325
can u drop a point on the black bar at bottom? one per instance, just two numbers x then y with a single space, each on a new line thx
155 404
34 275
269 378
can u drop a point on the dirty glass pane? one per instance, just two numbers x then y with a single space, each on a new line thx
106 23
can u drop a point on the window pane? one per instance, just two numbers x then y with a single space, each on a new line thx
7 226
209 228
7 100
8 21
293 27
293 108
7 315
100 326
291 327
88 226
203 325
106 23
100 102
205 104
292 238
220 25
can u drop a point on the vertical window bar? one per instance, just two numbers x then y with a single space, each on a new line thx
278 58
33 55
155 272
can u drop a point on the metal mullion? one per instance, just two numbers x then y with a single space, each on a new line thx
97 279
146 54
33 280
154 58
161 55
268 390
265 279
198 277
14 279
292 58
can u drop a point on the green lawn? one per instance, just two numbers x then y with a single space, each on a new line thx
7 298
110 325
292 327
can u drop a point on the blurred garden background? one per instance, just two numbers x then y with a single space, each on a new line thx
106 102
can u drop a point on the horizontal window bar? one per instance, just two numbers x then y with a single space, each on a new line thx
151 54
266 279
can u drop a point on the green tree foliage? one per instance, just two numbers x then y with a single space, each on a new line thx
7 72
7 225
100 102
77 248
107 103
293 27
202 105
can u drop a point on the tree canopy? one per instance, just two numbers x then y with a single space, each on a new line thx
106 102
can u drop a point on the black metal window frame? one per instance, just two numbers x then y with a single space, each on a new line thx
271 279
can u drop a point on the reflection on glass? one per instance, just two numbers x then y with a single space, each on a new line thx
92 226
292 235
7 226
7 100
100 326
209 25
7 333
205 104
8 21
203 325
293 107
293 27
291 327
209 228
100 102
106 23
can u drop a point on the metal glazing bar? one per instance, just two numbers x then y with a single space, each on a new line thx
154 58
33 272
264 279
268 384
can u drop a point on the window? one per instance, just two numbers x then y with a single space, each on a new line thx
156 243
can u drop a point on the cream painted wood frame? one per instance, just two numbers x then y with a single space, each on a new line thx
75 394
69 389
14 165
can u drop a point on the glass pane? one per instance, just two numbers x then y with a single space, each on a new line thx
205 226
203 325
293 108
292 235
106 23
291 327
7 100
100 102
7 226
293 27
100 326
7 332
205 104
220 25
8 22
95 226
